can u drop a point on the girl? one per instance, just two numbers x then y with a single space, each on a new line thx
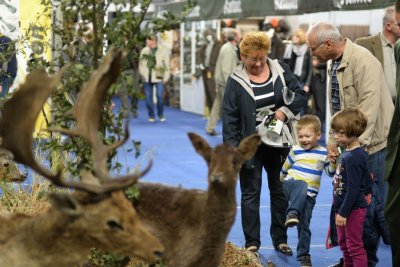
351 185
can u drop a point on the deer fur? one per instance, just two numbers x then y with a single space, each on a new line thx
193 224
64 234
98 214
9 171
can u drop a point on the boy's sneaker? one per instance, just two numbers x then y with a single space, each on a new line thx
306 261
162 118
291 220
152 120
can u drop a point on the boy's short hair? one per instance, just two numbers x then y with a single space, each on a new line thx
309 121
351 121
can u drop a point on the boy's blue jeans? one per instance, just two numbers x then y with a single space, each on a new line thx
302 205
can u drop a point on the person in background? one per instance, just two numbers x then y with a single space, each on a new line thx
318 89
381 46
298 57
8 64
277 46
226 63
301 176
206 62
253 86
392 163
351 185
357 81
154 71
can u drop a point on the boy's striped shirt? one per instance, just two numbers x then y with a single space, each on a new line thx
307 165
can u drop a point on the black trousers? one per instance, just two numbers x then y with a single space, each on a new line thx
272 160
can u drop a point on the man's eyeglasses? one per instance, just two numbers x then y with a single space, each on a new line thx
253 60
313 49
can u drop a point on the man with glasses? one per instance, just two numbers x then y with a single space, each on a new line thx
226 63
358 81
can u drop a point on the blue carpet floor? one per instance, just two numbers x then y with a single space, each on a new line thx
177 163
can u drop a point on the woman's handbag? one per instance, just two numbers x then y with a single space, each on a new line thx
284 135
274 132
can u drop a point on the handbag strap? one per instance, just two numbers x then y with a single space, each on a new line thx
288 96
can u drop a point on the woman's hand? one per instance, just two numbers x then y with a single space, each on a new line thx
280 115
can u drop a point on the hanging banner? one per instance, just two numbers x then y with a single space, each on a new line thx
224 9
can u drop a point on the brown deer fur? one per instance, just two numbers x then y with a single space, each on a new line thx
193 224
9 171
64 234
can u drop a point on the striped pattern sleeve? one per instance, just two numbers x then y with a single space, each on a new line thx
330 168
287 165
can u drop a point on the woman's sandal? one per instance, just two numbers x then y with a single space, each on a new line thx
284 249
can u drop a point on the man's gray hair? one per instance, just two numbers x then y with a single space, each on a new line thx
230 34
388 17
325 31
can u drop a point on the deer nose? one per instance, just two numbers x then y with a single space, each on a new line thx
158 254
216 177
6 164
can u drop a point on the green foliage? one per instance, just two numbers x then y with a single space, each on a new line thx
101 258
81 33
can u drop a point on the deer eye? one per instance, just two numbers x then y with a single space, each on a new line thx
114 225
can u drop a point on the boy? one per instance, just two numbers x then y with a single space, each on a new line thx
301 176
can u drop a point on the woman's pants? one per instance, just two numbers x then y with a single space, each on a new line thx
272 160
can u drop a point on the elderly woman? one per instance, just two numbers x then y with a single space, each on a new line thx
255 85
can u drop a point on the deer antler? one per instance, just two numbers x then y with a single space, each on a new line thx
21 110
87 114
19 116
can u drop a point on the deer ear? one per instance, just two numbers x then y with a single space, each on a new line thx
249 145
66 204
201 146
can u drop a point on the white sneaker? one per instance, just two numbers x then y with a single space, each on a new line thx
162 119
152 120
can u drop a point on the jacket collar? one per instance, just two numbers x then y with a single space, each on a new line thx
240 74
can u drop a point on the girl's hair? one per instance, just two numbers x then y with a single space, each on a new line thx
255 41
349 120
309 121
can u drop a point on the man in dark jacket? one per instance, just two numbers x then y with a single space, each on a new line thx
392 163
8 64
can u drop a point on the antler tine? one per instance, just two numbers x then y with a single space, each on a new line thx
105 187
19 115
88 107
87 113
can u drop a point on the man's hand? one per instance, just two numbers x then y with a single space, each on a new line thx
340 221
333 152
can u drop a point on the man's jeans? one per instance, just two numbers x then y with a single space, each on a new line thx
302 205
148 89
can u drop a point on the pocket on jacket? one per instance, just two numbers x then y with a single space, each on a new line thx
349 92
